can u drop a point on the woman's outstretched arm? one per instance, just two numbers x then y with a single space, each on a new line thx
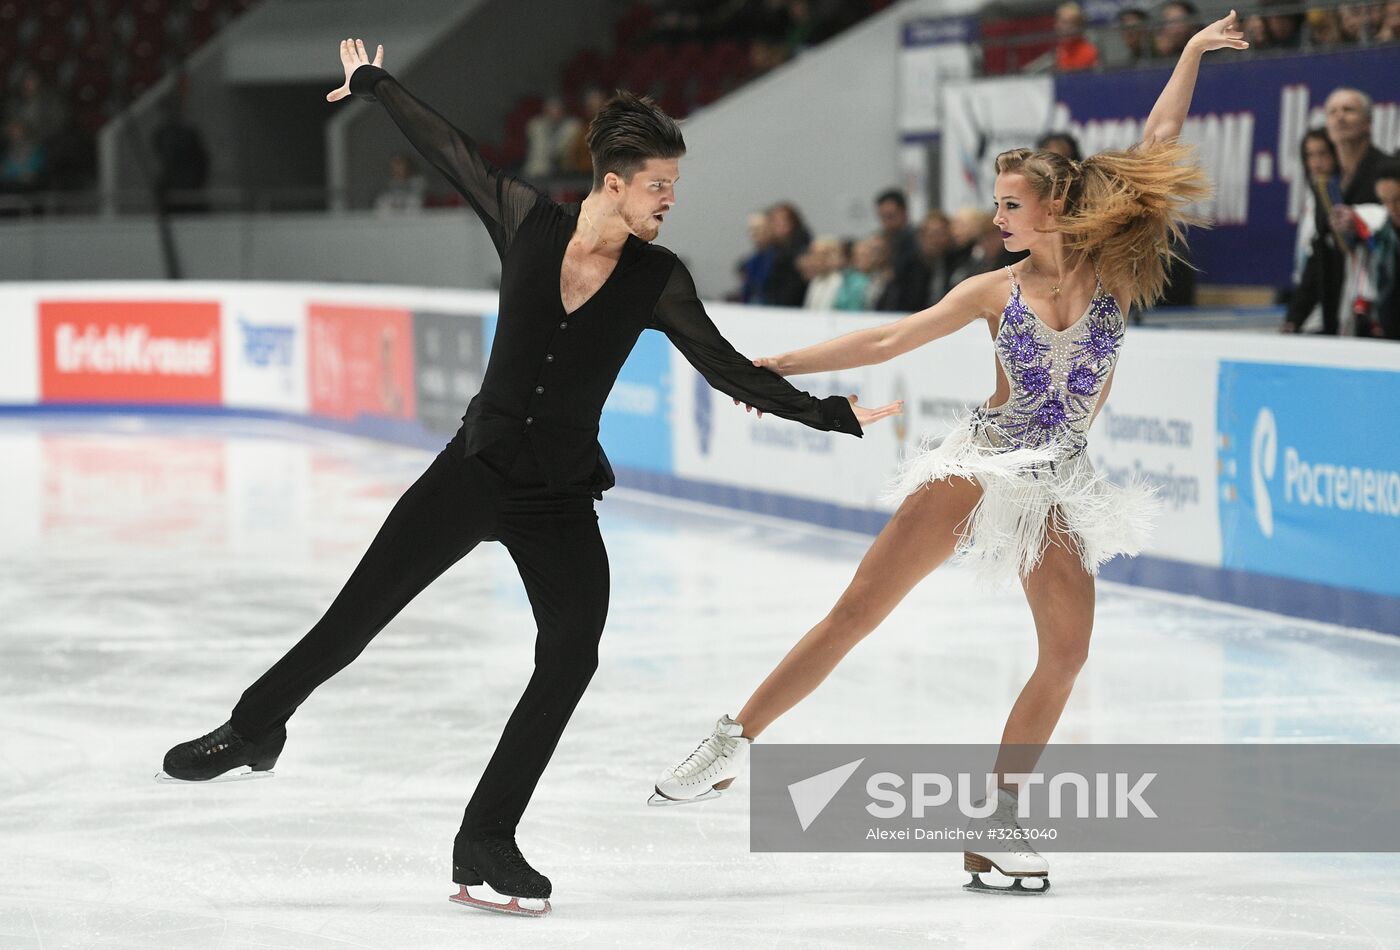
957 309
1165 119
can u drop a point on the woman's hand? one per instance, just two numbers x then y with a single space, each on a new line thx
866 416
1223 33
352 57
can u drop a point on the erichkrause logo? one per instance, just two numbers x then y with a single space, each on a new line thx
130 351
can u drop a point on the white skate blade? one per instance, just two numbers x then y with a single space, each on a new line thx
657 800
1015 889
244 776
534 907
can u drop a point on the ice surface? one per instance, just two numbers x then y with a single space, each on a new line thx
152 568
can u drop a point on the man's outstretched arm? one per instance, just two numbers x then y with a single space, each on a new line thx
500 200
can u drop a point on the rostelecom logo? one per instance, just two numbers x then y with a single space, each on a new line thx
1263 459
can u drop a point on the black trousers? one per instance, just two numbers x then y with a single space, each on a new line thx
554 540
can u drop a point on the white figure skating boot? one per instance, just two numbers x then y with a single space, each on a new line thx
709 770
1002 847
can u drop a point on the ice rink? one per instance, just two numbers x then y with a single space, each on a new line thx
150 568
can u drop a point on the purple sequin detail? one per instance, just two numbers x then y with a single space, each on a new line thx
1021 347
1102 340
1082 381
1051 414
1036 379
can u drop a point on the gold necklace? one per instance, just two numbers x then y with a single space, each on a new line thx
601 241
1054 287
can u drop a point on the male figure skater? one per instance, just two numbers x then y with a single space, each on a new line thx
578 286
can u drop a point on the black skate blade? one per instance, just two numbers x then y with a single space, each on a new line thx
536 907
1014 889
657 800
243 776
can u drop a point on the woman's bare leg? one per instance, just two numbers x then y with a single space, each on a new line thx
921 535
1061 597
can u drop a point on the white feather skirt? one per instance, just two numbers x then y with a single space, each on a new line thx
1025 491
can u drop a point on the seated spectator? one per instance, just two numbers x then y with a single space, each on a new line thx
868 260
1355 23
1061 143
789 238
1284 30
548 137
1390 23
910 277
965 227
1178 24
39 106
1073 50
577 159
405 190
1323 28
935 247
1133 46
24 165
1382 292
754 268
988 250
1256 33
826 264
1317 260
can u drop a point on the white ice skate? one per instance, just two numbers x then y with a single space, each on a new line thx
1005 851
709 770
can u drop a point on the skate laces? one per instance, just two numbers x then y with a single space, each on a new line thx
705 756
216 741
508 853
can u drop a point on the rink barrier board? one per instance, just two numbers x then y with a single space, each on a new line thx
398 364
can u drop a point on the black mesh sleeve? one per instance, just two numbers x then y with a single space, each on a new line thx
502 201
680 315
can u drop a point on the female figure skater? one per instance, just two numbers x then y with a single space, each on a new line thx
1010 490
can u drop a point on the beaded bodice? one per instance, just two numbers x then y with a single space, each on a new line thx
1056 376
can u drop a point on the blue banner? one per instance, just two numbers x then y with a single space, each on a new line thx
1247 119
1310 474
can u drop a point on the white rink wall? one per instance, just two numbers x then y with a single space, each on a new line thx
1275 457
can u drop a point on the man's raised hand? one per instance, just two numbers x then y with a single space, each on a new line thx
352 57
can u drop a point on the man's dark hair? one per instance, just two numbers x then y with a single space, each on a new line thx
892 194
1074 153
626 132
1388 170
1126 12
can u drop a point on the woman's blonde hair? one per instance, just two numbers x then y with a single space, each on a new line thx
1123 210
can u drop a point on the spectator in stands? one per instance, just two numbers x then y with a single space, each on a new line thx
826 262
1132 32
1255 32
548 137
935 248
1323 28
789 236
1356 24
965 227
1348 114
405 190
753 269
1318 263
1073 50
39 106
24 166
872 258
182 160
1383 287
1178 24
988 250
1061 143
855 281
909 279
1390 23
1284 30
577 158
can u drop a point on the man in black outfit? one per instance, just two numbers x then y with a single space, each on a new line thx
578 286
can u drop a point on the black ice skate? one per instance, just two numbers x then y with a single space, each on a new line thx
209 757
498 863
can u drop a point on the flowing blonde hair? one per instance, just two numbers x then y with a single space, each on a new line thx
1123 210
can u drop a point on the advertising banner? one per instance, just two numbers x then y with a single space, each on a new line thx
361 361
1247 120
19 352
635 430
449 357
981 119
265 359
1309 485
152 351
